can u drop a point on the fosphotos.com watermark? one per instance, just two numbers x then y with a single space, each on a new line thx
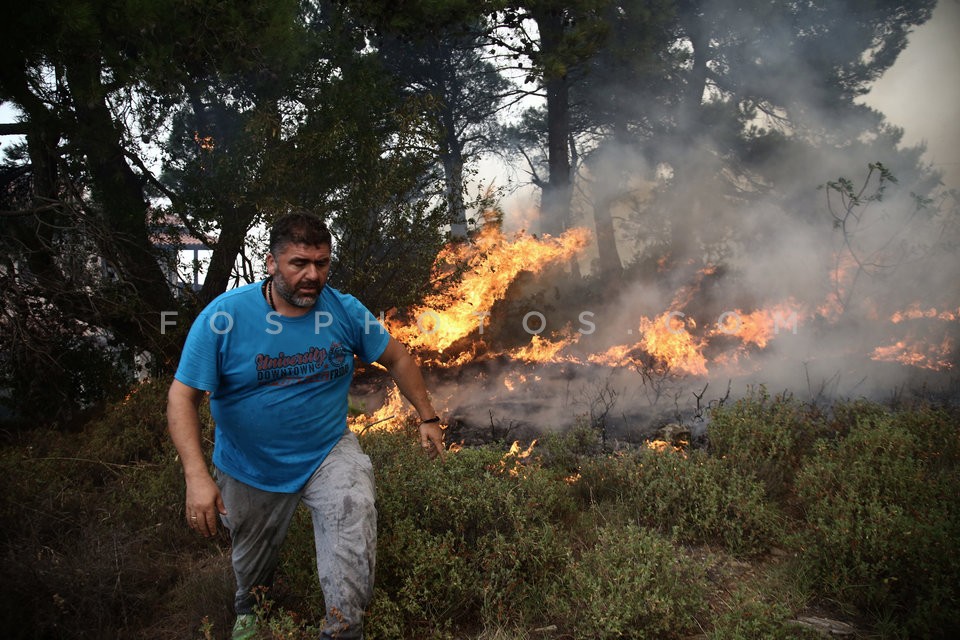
532 323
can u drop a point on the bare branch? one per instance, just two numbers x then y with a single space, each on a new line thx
534 177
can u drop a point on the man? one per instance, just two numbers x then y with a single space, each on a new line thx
277 359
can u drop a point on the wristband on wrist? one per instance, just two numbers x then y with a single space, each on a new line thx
431 420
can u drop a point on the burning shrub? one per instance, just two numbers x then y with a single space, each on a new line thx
883 519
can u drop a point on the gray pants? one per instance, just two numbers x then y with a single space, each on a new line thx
340 497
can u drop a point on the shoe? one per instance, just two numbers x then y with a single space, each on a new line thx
245 628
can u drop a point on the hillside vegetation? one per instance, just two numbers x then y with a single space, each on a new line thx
793 513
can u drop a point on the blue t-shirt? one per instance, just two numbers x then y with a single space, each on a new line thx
278 385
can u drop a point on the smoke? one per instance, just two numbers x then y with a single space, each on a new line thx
858 279
852 262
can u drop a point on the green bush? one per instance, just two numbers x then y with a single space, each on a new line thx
633 584
749 617
691 496
524 577
766 438
883 520
474 538
491 544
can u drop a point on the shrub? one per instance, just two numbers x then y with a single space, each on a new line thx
691 496
90 521
524 577
565 451
750 617
766 438
883 520
633 584
472 539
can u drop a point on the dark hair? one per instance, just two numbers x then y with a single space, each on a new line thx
298 228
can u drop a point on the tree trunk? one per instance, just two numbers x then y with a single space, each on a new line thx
233 232
688 177
121 195
452 158
609 257
555 200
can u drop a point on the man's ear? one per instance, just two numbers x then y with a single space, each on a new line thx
271 264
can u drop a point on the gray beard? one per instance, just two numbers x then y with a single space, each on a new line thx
301 302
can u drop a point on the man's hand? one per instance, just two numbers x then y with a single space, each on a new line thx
183 422
431 439
203 504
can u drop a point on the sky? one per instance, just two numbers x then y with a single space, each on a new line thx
921 92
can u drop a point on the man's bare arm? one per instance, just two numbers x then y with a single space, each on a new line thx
406 373
203 500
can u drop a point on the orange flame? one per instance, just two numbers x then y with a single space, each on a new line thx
668 340
206 143
447 329
541 350
917 354
491 263
915 312
760 326
389 416
512 380
662 446
516 457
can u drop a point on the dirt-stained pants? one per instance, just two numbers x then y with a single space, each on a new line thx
340 497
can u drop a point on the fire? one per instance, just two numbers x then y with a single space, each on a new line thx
515 379
618 354
438 329
662 446
490 264
516 457
842 279
541 350
915 351
393 412
668 340
206 143
448 328
918 354
671 339
915 312
760 326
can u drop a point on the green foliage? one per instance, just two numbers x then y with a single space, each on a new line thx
883 520
631 584
693 497
765 438
488 521
90 522
567 450
494 543
54 374
749 617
